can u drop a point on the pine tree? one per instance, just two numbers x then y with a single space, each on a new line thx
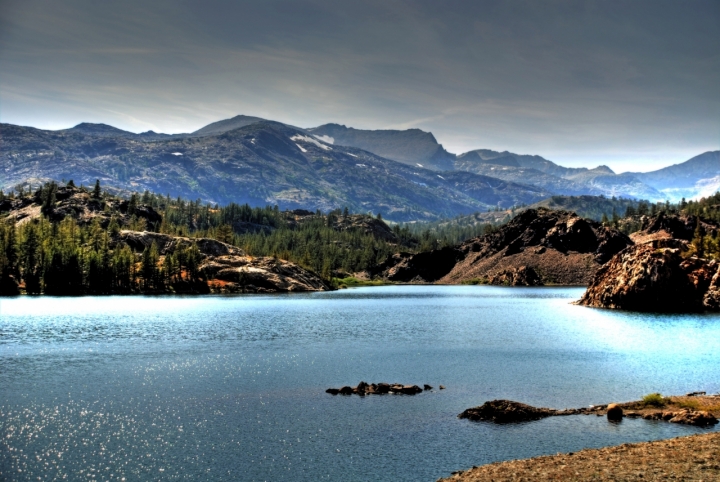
48 197
149 267
97 193
31 260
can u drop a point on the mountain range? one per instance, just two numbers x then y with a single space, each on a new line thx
403 174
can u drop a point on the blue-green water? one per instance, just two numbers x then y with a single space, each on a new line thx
232 388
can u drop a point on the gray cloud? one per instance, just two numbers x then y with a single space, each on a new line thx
629 84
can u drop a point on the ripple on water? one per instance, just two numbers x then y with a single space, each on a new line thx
218 388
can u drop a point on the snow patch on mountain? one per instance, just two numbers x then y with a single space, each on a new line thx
300 138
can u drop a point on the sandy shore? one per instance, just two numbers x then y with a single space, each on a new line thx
695 458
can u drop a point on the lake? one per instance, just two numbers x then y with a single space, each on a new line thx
233 387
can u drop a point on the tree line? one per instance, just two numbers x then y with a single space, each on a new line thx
67 257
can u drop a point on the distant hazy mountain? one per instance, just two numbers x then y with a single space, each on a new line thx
405 175
603 178
541 172
104 130
260 163
227 125
412 146
699 176
526 161
420 149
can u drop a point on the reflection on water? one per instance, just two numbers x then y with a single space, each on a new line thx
217 388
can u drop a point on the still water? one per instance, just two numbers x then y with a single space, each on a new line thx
232 388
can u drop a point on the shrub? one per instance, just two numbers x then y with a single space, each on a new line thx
654 400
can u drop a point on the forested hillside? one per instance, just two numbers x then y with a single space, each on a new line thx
69 240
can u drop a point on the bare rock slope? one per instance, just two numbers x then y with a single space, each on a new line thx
539 246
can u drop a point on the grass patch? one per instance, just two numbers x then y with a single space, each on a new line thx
352 282
690 404
654 400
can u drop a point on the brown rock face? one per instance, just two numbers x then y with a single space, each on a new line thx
558 246
522 276
711 300
234 273
677 227
645 278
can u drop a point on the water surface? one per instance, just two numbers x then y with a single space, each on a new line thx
232 388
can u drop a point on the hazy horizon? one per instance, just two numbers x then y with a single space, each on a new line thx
629 85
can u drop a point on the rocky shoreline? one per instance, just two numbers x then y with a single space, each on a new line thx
651 277
696 409
693 458
685 458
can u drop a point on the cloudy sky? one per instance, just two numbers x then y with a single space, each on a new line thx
631 84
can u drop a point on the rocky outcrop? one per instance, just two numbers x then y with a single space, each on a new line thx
670 230
78 203
522 276
676 227
711 300
422 267
227 269
363 389
167 244
698 418
361 223
247 274
508 411
646 278
559 246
